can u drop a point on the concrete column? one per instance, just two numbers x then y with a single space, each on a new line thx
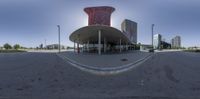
99 42
127 46
74 46
78 49
84 47
120 41
104 45
131 47
88 46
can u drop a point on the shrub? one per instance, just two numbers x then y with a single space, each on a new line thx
16 46
7 46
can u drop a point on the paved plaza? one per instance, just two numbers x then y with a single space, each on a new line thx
106 60
167 75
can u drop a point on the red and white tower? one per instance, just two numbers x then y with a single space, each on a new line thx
99 15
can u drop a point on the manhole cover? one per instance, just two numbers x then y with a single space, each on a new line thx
124 59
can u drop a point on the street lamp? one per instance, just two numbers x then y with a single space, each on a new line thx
45 46
58 38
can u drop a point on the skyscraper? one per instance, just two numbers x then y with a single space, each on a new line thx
129 28
176 42
157 41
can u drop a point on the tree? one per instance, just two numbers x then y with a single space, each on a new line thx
16 46
7 46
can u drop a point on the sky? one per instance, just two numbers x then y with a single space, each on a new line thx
31 22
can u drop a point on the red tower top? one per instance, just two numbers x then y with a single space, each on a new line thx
99 15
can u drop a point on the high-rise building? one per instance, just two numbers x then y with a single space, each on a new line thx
172 42
157 41
129 28
176 42
41 46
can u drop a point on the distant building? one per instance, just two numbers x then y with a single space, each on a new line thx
55 46
1 47
41 46
176 42
165 45
145 47
129 28
194 48
157 41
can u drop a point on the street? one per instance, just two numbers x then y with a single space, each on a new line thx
166 75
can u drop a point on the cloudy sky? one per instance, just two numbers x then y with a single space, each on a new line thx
30 22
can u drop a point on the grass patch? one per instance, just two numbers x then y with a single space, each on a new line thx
11 51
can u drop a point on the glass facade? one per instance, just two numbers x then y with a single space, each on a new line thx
129 28
176 42
157 41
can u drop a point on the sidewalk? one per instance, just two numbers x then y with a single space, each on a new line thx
169 50
45 51
107 60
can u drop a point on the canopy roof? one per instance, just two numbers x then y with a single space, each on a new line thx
90 33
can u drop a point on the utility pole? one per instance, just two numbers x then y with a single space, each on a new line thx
152 34
58 38
45 44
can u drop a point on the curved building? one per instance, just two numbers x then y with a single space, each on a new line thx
99 36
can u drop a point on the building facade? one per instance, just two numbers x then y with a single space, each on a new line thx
129 28
176 42
165 45
145 47
99 15
99 36
55 46
157 41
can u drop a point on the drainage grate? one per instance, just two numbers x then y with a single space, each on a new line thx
124 59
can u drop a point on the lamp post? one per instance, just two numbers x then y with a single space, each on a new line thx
58 38
45 44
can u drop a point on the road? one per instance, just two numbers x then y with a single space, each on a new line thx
167 75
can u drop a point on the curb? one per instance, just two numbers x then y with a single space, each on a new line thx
105 70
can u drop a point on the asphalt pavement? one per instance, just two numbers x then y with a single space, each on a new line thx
105 60
167 75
